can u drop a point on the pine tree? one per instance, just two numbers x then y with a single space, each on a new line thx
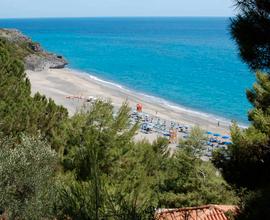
251 30
246 163
19 111
96 139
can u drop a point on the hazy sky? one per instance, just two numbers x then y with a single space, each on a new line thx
93 8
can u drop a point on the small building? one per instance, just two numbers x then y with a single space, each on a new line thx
207 212
139 107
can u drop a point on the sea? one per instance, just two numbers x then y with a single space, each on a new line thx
186 62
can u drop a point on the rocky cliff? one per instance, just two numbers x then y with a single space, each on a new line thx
34 57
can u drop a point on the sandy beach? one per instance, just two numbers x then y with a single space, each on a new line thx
60 83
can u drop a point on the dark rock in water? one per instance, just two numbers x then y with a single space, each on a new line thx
35 58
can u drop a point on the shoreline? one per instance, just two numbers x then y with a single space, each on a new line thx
59 83
156 99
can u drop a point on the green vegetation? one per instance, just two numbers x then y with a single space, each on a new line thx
108 176
251 31
26 172
246 163
19 112
19 49
88 166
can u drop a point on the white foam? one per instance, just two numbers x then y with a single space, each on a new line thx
158 100
187 110
86 74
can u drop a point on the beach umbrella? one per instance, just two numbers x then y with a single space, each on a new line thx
225 137
228 143
144 125
150 125
217 135
209 132
166 134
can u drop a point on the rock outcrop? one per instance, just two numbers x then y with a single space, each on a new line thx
35 58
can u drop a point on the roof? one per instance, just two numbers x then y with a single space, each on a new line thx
207 212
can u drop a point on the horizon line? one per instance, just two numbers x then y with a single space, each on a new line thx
139 16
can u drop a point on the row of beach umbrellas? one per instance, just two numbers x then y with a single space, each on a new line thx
217 135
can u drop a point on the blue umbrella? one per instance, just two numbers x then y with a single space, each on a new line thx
225 137
217 135
228 143
209 132
167 134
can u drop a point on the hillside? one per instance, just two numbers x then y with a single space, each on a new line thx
34 56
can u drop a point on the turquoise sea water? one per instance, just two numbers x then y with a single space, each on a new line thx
190 62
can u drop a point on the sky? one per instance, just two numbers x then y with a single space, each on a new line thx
114 8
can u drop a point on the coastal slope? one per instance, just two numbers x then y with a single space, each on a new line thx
34 56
